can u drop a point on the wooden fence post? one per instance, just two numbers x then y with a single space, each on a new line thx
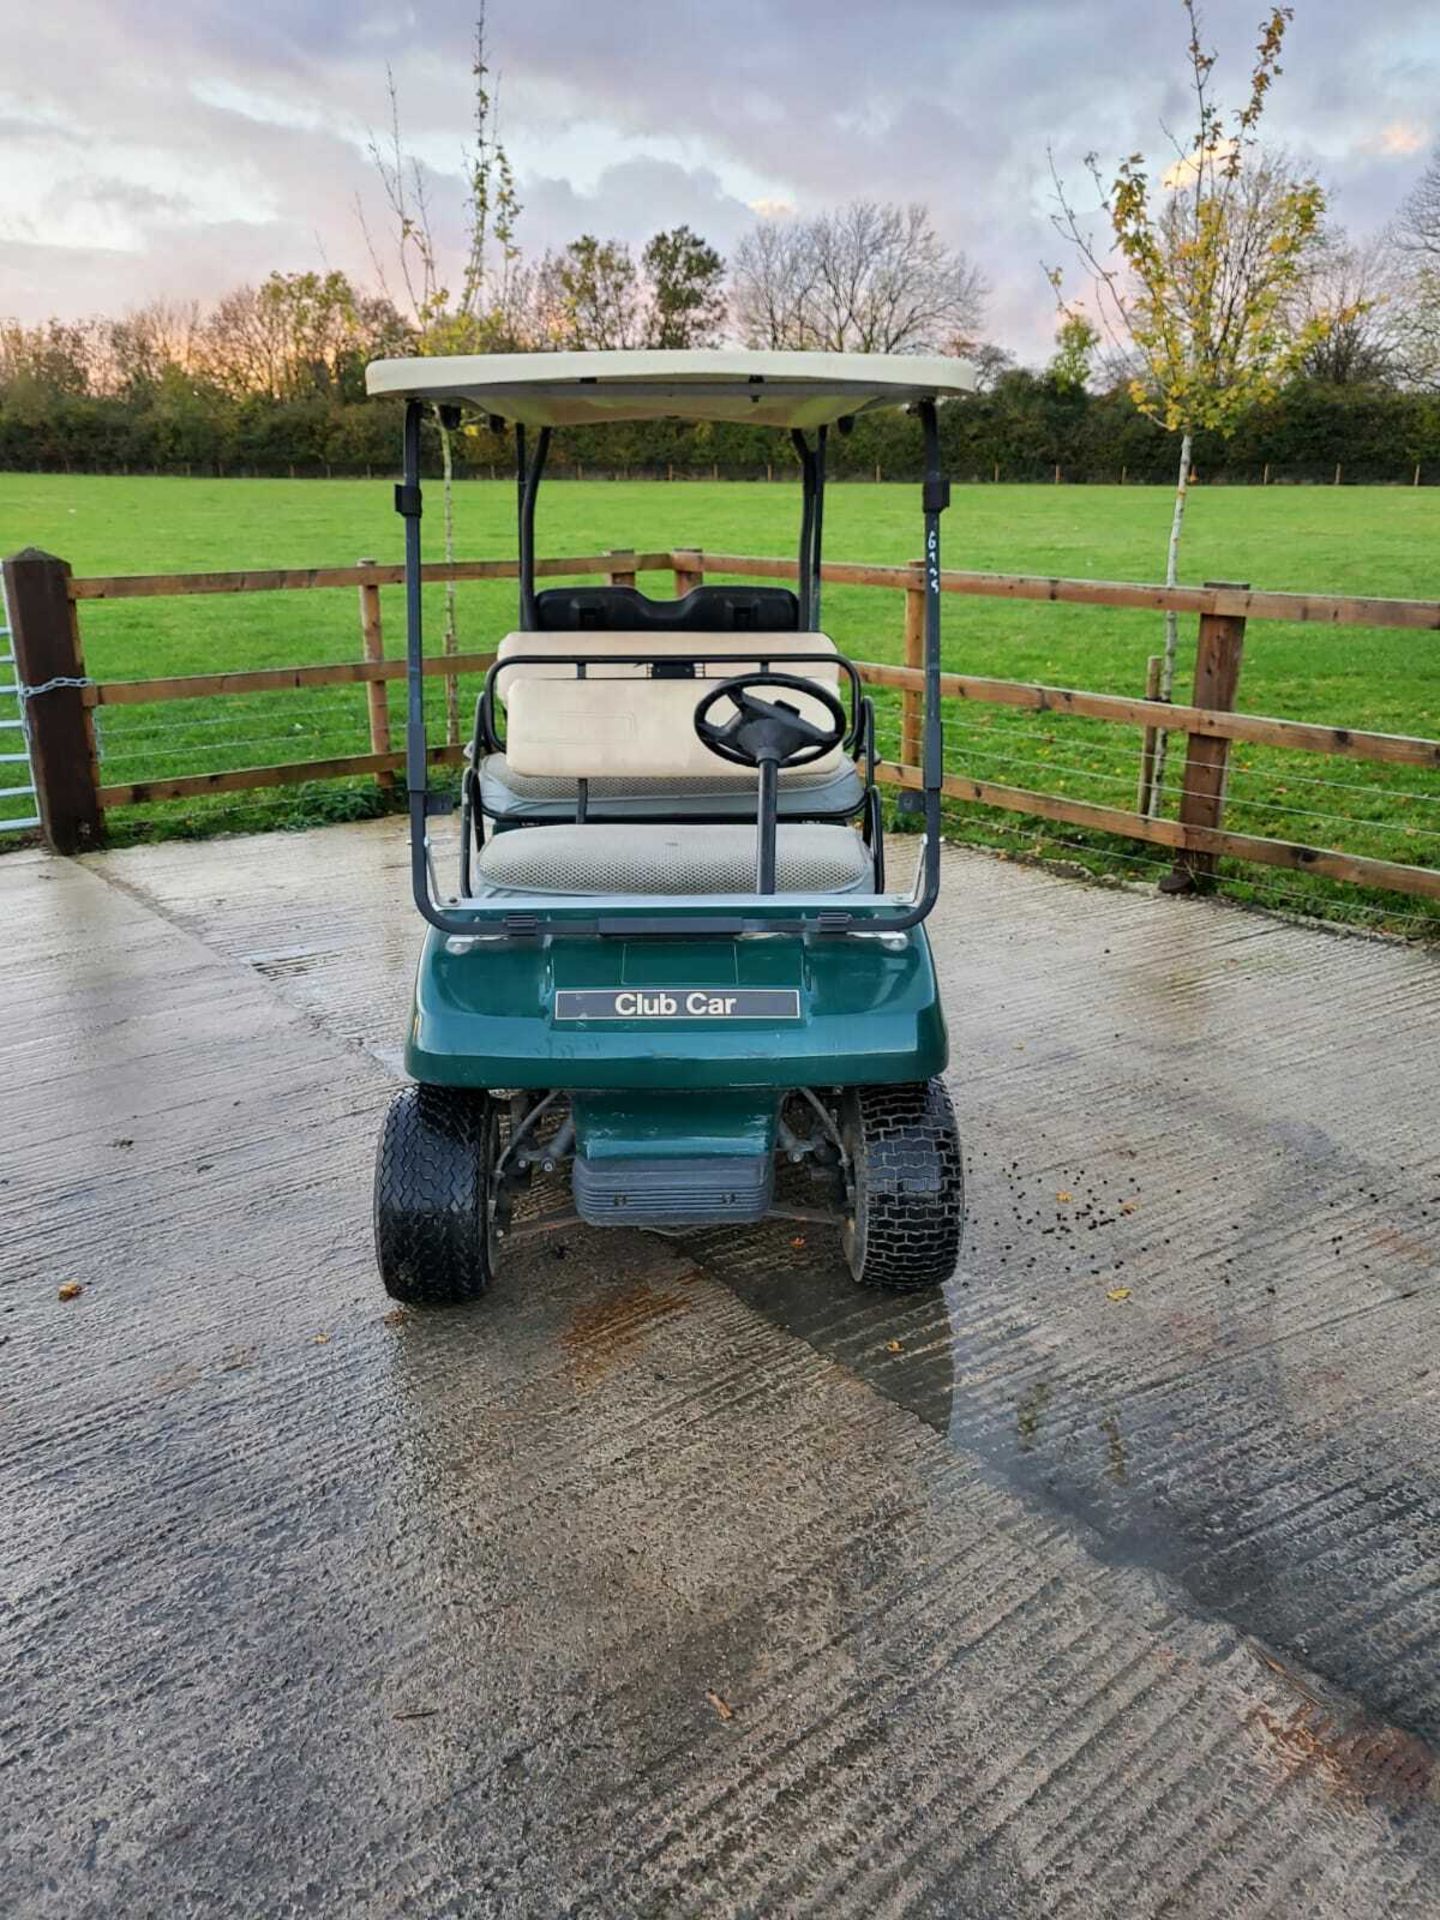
911 731
62 733
1219 651
688 570
377 692
621 569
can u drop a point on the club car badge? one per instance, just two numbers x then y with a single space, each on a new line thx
678 1003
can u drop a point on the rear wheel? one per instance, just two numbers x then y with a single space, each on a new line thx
434 1224
906 1205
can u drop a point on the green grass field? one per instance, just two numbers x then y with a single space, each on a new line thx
1347 540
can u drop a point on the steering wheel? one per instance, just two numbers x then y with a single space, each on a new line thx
773 730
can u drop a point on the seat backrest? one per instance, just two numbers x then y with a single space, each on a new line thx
702 610
618 720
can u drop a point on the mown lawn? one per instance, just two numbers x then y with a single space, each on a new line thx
1345 540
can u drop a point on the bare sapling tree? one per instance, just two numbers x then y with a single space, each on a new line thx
866 278
477 318
1198 276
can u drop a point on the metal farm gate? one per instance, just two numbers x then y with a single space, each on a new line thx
17 782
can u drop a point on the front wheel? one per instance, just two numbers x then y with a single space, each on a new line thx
434 1225
906 1204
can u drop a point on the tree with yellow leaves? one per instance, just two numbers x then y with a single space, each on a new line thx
1201 277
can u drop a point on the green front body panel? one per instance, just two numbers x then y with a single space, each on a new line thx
671 1126
484 1013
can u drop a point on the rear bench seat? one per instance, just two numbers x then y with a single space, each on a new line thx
631 737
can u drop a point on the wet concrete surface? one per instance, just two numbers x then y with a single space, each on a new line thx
680 1576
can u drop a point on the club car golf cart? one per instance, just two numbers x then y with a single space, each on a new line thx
674 969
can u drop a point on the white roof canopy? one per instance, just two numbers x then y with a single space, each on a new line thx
586 389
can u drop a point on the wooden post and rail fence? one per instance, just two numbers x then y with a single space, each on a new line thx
45 600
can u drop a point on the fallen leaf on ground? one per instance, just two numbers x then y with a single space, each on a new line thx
798 1241
1064 1197
396 1317
1128 1206
893 1346
322 1340
722 1707
71 1290
1118 1293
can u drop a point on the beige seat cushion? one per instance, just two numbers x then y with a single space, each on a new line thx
592 859
617 722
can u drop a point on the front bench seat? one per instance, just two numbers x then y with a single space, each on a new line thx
670 860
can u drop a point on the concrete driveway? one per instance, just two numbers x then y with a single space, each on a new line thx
682 1577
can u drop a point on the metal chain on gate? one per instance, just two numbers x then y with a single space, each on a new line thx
26 694
48 686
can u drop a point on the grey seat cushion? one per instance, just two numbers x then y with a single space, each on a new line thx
804 794
592 859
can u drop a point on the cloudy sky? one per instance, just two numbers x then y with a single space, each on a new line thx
178 147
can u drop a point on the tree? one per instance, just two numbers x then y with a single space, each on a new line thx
1416 239
1350 290
1417 228
295 335
991 364
867 278
771 282
1076 339
136 352
1201 275
480 318
588 296
55 357
687 290
1417 330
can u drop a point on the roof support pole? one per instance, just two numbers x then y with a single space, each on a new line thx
527 530
805 577
520 508
409 505
817 527
935 499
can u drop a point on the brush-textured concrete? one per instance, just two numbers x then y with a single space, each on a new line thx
680 1577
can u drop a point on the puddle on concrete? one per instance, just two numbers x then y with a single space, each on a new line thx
902 1344
1080 1357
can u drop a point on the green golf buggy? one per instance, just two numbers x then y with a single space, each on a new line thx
673 974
